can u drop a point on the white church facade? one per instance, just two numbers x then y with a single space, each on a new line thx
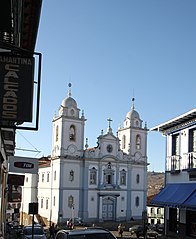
104 183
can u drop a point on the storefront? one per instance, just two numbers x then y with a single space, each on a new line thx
179 201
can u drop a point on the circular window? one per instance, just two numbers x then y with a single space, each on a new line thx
109 148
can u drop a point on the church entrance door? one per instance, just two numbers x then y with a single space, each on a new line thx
108 209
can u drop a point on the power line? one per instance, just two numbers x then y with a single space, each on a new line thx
29 150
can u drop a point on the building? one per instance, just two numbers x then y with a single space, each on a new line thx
104 183
155 214
178 197
155 184
19 21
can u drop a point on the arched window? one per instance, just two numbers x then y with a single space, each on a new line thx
42 177
48 177
137 201
123 177
138 141
42 202
54 175
70 201
72 133
123 141
93 176
71 175
108 174
57 133
137 178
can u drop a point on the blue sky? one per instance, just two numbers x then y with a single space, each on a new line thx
112 50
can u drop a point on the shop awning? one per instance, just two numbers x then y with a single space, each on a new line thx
174 195
191 201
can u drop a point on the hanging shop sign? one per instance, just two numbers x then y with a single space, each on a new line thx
23 165
16 88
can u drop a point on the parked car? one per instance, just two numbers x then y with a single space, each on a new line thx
86 233
160 228
38 232
134 229
152 233
139 231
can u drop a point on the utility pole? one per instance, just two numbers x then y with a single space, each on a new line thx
145 217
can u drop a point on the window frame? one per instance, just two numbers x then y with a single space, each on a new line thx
138 142
93 176
48 177
72 133
123 177
71 176
137 201
57 133
175 144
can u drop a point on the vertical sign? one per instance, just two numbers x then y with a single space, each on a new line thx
16 88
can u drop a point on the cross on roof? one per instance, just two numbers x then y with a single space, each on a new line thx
109 122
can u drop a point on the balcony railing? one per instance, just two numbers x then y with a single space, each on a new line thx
176 163
155 215
173 163
190 161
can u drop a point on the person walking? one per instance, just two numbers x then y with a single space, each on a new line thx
70 224
52 231
120 230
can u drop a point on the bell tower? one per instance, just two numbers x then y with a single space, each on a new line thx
133 136
68 129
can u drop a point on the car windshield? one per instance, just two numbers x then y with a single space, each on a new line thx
37 231
92 236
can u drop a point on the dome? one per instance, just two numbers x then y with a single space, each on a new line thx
69 102
133 114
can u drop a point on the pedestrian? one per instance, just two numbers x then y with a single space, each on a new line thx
52 231
120 230
70 224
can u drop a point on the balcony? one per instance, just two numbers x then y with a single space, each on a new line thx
174 163
155 215
190 161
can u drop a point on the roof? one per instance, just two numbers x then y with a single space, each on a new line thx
69 102
87 230
19 21
189 116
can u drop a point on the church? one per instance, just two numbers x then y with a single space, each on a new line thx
105 183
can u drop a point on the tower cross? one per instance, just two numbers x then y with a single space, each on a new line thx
109 122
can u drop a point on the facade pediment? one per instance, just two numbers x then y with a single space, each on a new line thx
109 159
107 137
